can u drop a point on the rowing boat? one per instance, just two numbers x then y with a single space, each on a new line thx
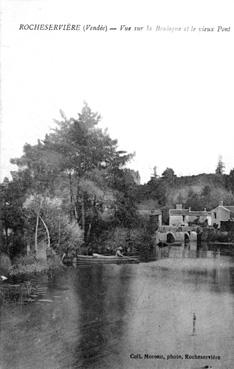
104 259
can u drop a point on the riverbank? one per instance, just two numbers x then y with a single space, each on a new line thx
26 265
18 287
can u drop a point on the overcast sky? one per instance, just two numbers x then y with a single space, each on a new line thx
166 96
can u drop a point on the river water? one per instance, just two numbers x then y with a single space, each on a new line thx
111 316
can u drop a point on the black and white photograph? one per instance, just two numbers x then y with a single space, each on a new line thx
117 184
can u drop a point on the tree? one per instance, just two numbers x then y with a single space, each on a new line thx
12 196
193 201
40 166
86 151
230 181
220 167
35 204
79 163
45 220
124 186
169 175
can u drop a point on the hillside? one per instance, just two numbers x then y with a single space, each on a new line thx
197 191
211 186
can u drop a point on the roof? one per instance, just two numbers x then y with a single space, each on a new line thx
193 213
229 208
178 211
149 212
198 213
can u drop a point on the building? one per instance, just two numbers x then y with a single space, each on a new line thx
184 217
222 214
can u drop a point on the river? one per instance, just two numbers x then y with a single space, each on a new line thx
127 316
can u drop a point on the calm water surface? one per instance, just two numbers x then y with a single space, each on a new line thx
97 316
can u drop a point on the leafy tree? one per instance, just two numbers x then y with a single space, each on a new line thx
155 189
124 186
206 192
35 204
193 201
168 173
230 181
79 163
12 196
41 166
45 220
220 167
169 176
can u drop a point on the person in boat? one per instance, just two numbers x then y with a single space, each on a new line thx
90 251
119 252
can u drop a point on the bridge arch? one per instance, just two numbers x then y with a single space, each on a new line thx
170 237
186 237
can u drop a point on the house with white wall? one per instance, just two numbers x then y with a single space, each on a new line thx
222 213
184 217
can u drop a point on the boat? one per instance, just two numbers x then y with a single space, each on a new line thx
104 259
68 260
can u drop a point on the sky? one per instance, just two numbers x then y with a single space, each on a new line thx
167 96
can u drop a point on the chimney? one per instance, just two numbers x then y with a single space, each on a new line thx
220 203
189 209
179 206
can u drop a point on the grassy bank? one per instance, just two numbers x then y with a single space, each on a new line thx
26 265
19 286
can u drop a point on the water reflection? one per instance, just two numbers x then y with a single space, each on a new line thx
102 304
98 315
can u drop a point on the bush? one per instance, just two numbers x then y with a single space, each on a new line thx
5 263
24 260
31 265
136 240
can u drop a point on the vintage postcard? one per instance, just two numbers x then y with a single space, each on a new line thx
117 184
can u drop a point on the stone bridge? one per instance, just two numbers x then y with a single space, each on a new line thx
176 234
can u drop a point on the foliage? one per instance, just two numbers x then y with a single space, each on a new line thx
12 196
134 240
30 265
208 198
193 201
70 178
73 187
123 183
148 204
169 175
64 234
5 263
230 181
220 167
155 189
